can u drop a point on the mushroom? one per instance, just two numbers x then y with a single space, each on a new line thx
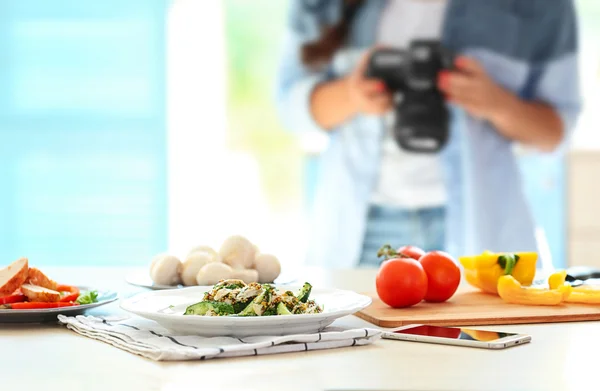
267 266
246 275
213 272
153 263
165 269
193 263
204 249
237 252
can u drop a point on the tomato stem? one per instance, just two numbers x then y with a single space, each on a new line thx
388 252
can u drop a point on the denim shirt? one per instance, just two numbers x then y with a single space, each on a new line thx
527 46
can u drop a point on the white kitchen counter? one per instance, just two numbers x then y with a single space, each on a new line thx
49 357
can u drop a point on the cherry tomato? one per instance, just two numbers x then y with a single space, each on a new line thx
401 282
443 276
411 251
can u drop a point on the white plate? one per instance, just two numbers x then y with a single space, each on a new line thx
50 314
166 307
142 279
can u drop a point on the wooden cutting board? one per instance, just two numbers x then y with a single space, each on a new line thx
470 307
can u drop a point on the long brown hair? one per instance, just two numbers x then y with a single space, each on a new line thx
332 37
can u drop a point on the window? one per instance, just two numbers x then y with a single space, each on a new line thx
232 169
82 131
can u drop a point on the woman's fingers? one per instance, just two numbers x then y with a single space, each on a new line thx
469 65
377 99
373 96
470 105
380 104
371 86
374 103
461 89
455 83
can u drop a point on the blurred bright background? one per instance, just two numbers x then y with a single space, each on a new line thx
132 127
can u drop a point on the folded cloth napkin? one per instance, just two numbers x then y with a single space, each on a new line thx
148 339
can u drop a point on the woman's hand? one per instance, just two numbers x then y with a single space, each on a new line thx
532 123
368 96
334 102
472 89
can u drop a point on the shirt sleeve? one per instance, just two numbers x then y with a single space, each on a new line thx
558 81
295 82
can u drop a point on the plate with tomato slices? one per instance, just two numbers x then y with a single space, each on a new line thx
28 295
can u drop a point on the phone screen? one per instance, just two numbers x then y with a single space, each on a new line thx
455 333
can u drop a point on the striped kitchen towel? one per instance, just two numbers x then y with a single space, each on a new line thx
148 339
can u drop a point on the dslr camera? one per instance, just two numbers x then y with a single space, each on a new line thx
422 117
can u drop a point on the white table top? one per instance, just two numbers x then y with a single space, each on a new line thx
561 356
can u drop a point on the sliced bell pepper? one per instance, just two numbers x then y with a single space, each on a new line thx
557 279
72 293
34 305
483 271
511 291
583 294
14 298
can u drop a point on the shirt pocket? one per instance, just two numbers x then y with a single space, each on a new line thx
482 24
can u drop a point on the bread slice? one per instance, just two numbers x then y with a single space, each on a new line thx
39 293
13 276
36 277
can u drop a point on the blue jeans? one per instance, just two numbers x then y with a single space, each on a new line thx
424 228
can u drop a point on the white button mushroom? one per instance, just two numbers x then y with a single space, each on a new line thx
166 269
267 266
192 265
213 272
246 275
153 263
237 252
204 249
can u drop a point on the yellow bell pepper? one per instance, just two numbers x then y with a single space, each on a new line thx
511 291
483 271
557 279
583 294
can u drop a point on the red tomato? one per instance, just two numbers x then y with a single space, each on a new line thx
443 276
411 251
401 282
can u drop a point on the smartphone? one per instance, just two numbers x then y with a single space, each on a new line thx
457 336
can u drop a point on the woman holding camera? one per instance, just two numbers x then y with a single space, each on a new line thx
514 81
